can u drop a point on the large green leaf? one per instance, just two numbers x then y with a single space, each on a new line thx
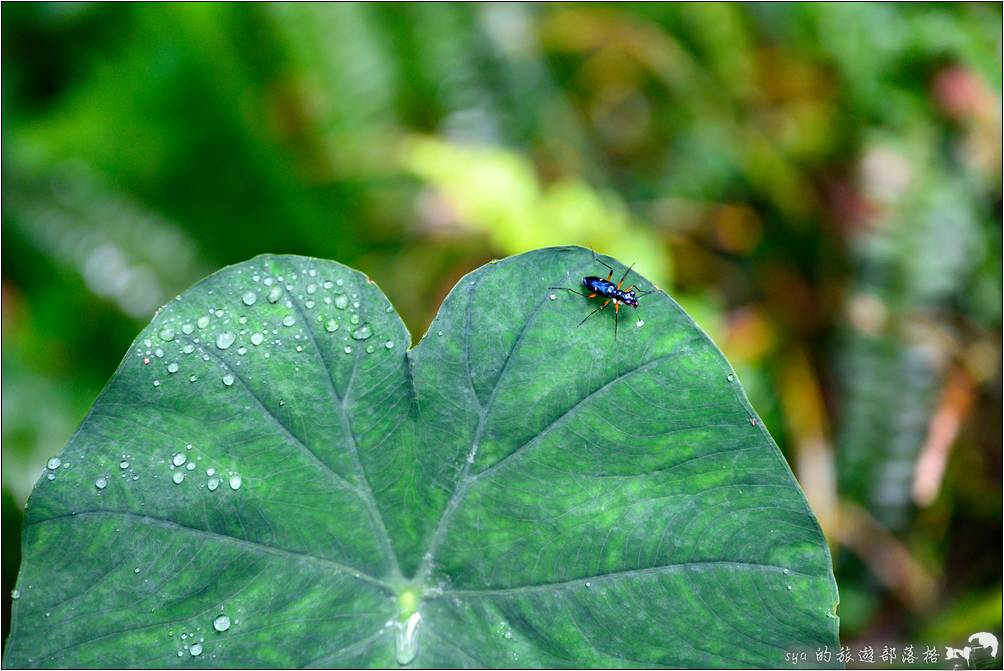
514 491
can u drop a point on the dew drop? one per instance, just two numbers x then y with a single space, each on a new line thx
235 481
288 320
188 349
15 594
439 333
190 465
53 463
193 378
101 482
178 477
159 353
218 313
348 349
639 323
202 321
552 297
213 483
389 344
179 459
274 294
166 334
136 570
257 339
172 367
242 351
225 339
221 623
187 328
195 650
507 635
51 476
123 464
588 584
370 349
311 288
786 571
731 377
228 379
156 383
789 588
249 298
331 326
354 319
362 333
341 301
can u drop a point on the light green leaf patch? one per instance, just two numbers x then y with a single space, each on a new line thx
514 491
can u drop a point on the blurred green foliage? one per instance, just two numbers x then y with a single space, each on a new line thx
819 185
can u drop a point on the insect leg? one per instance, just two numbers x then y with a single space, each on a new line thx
639 293
617 313
597 260
625 275
606 303
573 291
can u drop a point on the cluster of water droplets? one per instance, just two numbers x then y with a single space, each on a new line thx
248 323
193 642
182 465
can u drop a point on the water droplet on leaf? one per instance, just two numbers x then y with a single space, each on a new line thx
225 339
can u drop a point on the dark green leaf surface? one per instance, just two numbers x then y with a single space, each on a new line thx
514 491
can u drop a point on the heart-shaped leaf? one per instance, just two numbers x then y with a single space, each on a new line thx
272 478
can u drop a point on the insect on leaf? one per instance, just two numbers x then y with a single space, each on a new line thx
272 477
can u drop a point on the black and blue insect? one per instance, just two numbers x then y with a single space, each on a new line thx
599 286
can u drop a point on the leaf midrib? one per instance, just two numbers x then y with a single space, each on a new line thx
376 518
